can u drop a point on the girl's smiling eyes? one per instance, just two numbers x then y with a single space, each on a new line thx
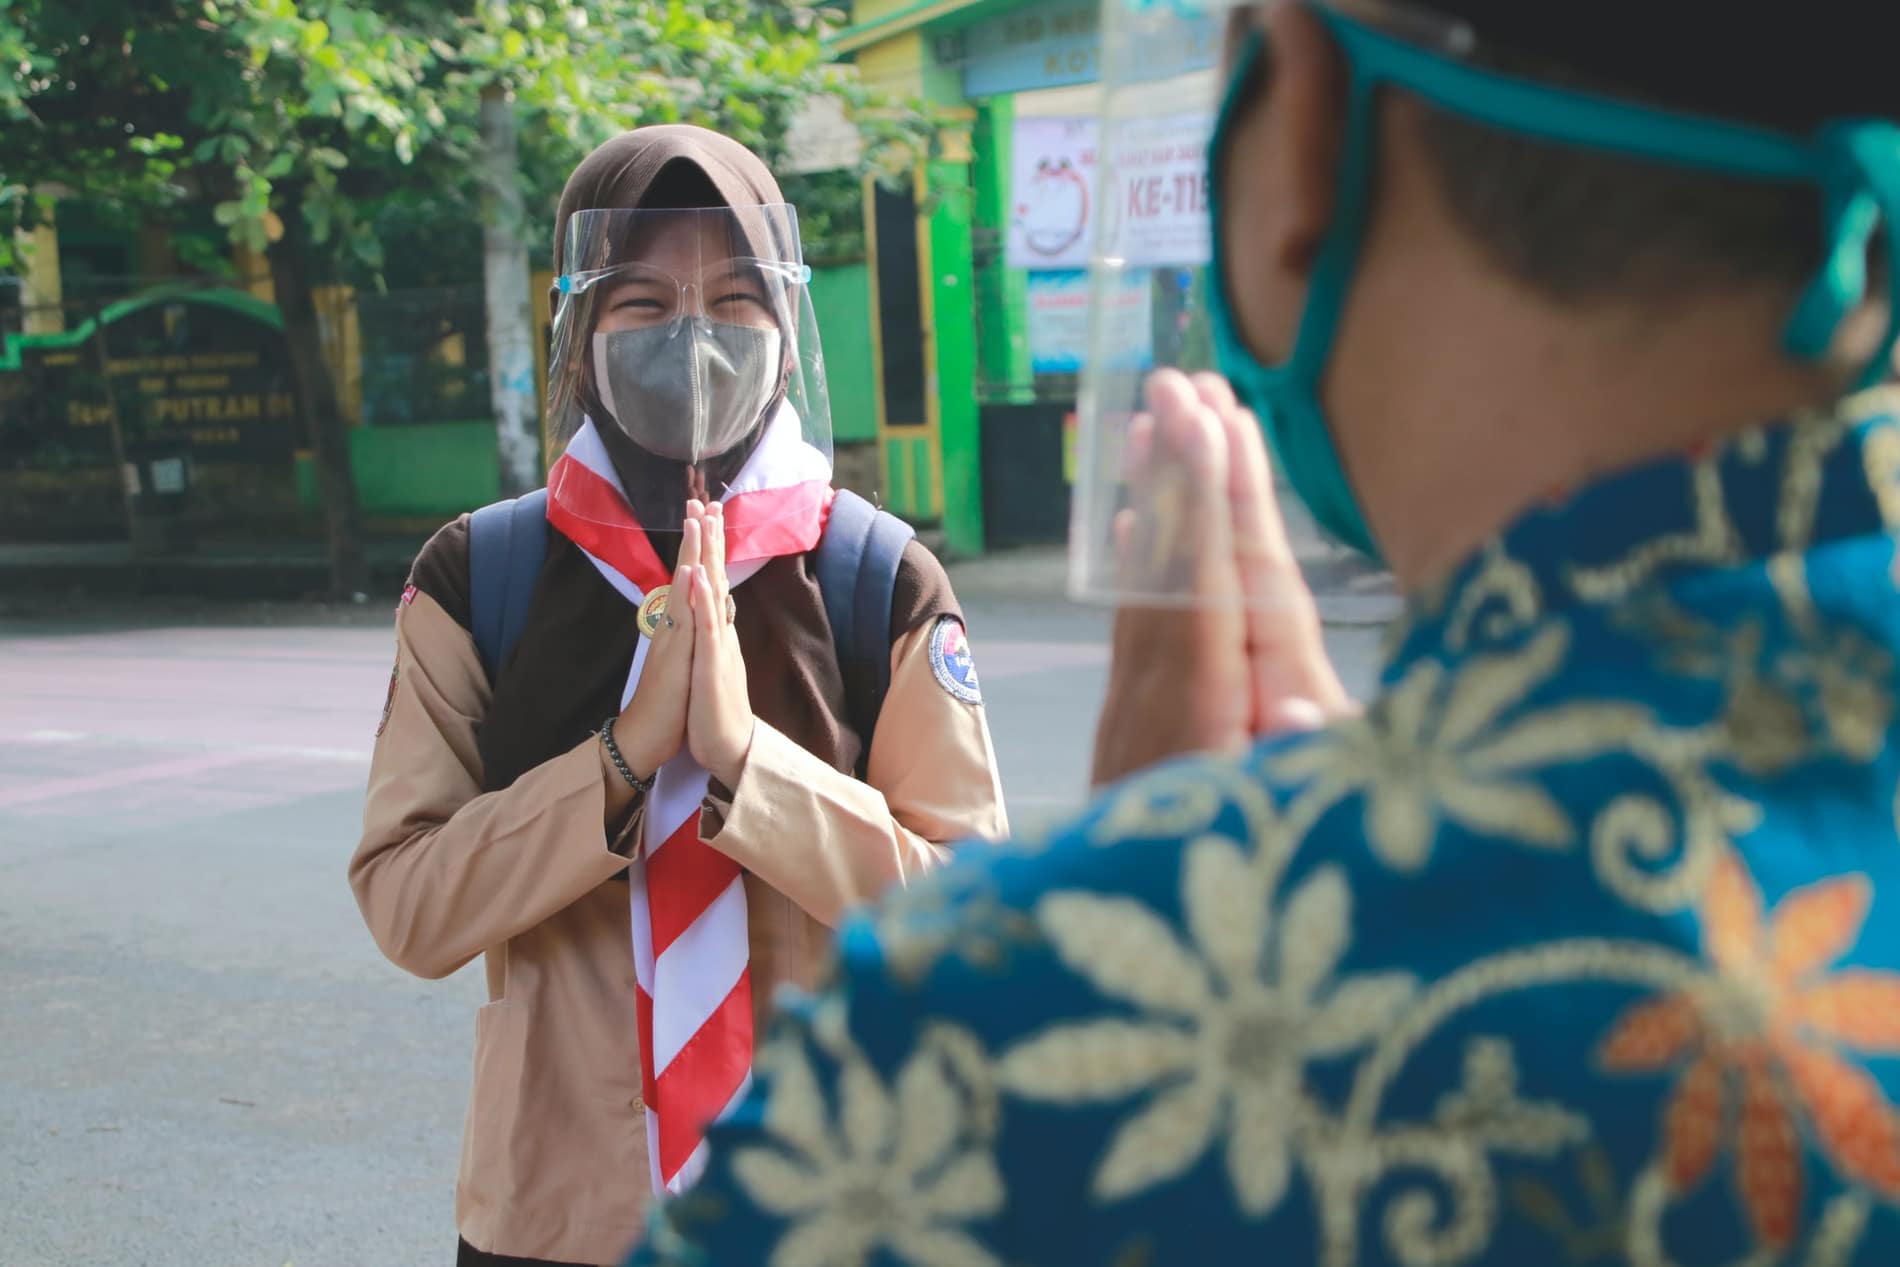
733 301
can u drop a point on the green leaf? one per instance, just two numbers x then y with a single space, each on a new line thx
280 166
315 35
228 213
316 214
513 45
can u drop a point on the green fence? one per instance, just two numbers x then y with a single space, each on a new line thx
433 468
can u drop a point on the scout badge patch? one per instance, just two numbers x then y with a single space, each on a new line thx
950 660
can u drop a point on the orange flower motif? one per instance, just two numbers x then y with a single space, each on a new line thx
1767 1023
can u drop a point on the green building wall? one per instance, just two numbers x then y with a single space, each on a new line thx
952 306
1002 292
841 300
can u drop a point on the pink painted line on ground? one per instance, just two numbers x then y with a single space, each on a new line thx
216 688
219 642
223 729
164 803
107 781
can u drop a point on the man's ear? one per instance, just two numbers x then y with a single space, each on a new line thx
1280 176
1305 119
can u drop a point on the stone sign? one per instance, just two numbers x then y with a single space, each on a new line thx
207 372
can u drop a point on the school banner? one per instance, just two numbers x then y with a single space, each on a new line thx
1059 310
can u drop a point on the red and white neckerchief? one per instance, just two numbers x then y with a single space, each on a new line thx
691 953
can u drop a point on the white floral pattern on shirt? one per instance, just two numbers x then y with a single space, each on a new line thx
893 1171
1230 1021
1436 749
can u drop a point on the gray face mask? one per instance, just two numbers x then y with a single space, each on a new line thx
689 392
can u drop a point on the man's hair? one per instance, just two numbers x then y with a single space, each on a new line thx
1579 226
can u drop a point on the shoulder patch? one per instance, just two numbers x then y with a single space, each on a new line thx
408 597
950 660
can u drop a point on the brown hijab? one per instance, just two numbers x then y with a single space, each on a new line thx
663 167
651 167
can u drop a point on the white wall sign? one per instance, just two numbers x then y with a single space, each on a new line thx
1154 207
1149 207
1056 42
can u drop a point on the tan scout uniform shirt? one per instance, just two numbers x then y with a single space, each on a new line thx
486 837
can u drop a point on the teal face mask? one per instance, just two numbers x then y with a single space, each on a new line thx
1855 163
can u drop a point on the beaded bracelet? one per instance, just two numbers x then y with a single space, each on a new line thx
620 762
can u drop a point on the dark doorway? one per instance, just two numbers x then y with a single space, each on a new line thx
900 311
1025 485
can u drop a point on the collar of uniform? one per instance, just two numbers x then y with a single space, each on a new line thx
1786 487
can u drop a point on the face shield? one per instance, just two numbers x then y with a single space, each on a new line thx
1853 163
1145 495
686 339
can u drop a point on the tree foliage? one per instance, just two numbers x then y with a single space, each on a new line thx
320 132
335 111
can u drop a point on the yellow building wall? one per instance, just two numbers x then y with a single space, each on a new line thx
42 294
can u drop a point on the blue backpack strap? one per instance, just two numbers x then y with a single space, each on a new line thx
858 561
506 544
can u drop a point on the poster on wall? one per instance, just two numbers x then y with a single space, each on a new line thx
1059 321
1052 184
1152 207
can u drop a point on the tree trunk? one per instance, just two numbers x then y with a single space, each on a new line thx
316 398
121 455
510 315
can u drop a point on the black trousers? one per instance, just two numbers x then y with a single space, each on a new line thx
467 1255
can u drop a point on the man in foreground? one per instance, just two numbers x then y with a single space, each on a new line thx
1582 942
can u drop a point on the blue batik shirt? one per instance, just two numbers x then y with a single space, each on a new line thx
1581 946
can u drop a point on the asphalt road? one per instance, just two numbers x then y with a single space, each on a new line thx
203 1059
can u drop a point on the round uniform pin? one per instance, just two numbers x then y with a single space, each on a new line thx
653 610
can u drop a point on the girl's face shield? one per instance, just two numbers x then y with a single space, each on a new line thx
1148 502
691 333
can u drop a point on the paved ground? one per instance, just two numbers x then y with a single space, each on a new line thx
203 1059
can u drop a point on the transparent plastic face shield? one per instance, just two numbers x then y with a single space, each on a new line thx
688 339
1127 474
1150 498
